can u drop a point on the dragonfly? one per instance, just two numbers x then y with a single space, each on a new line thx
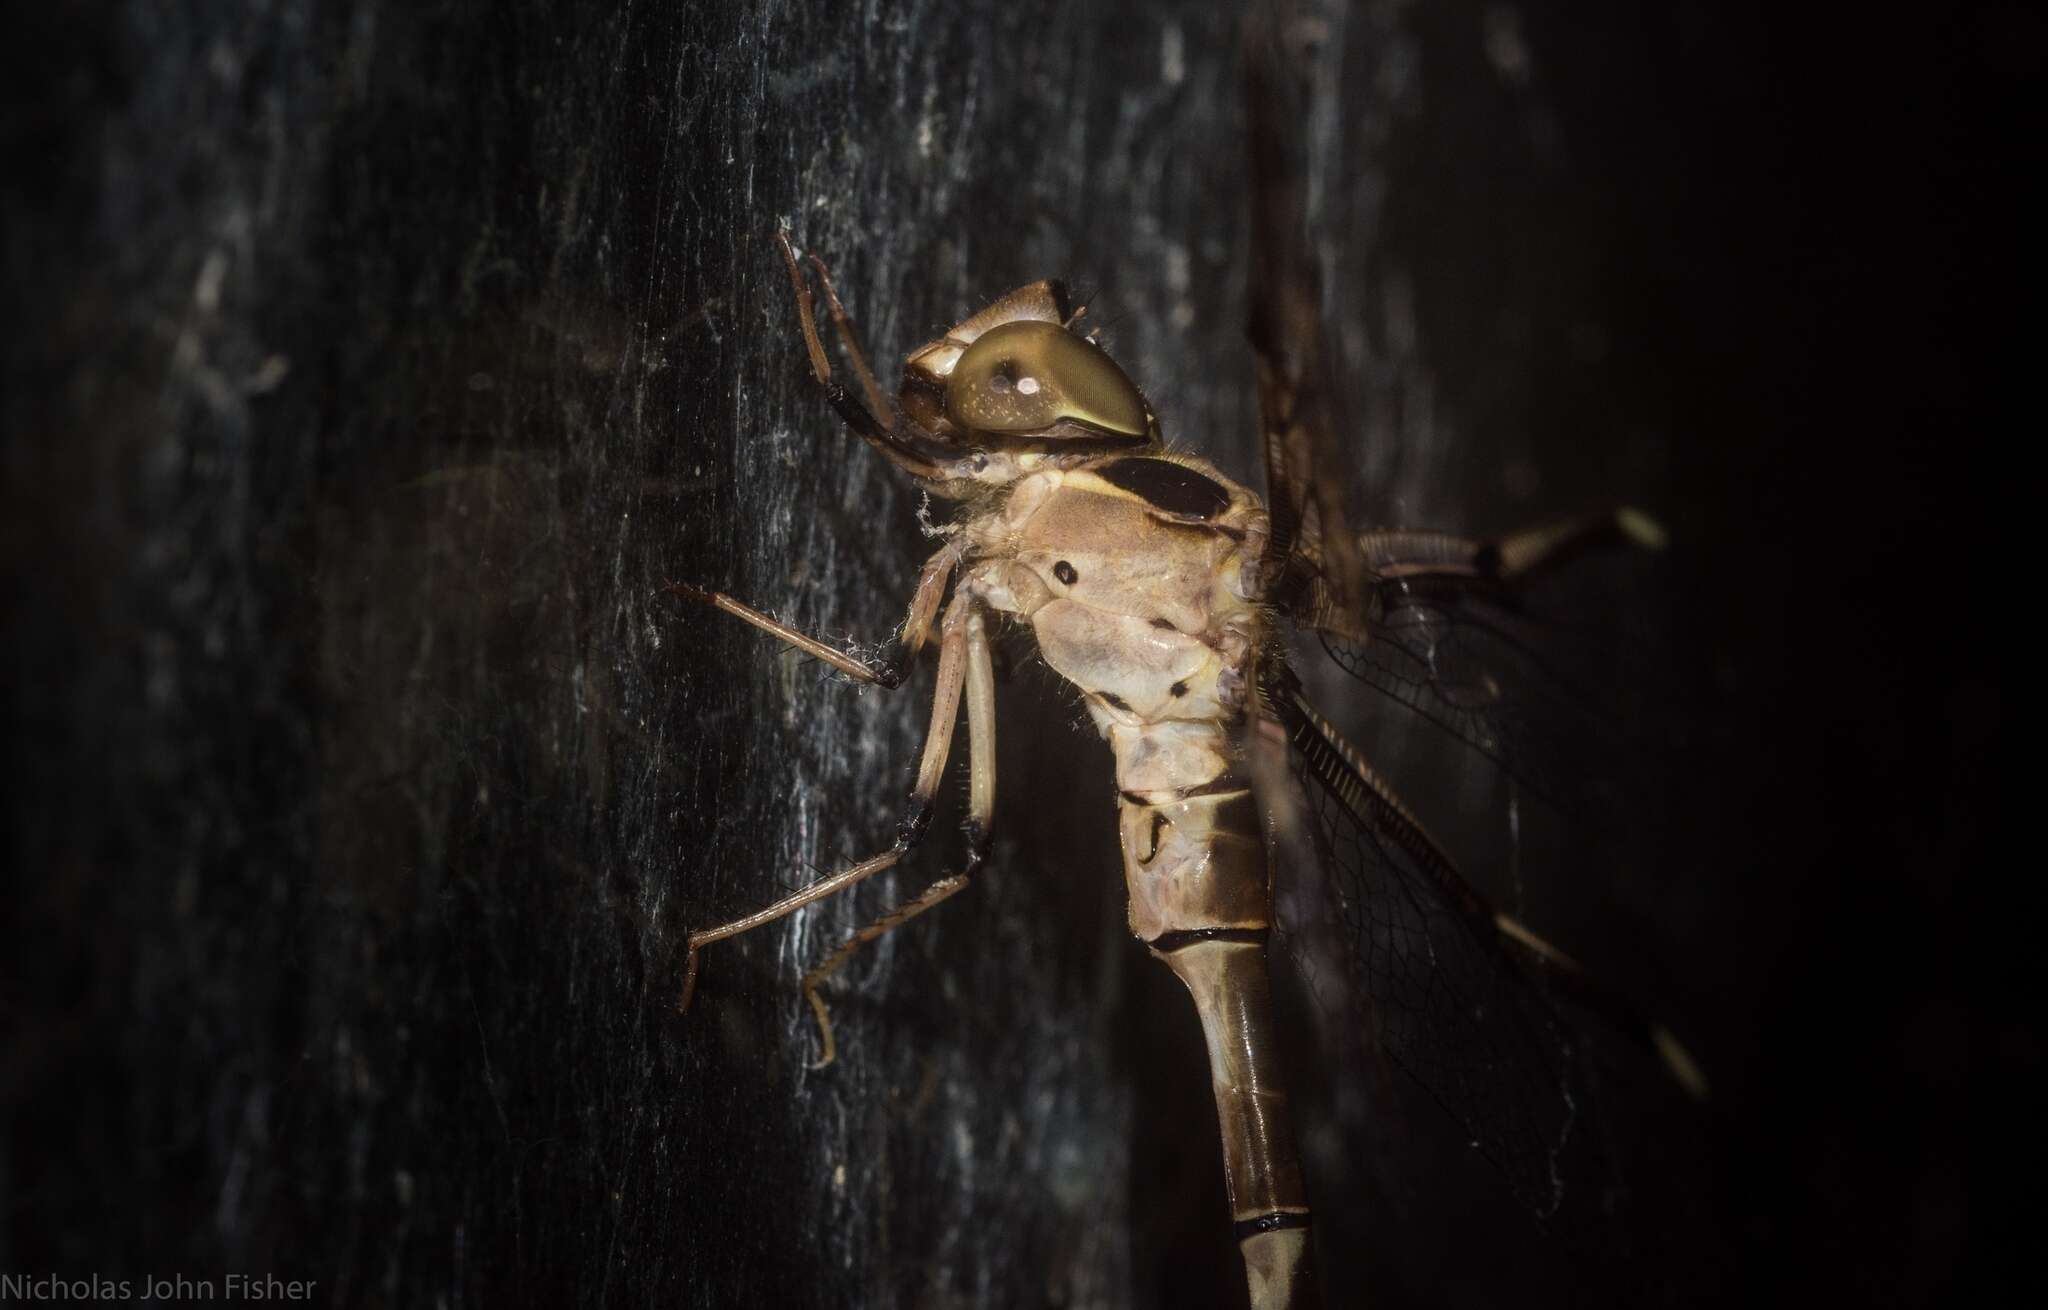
1169 596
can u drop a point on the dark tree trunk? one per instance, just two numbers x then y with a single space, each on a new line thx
370 366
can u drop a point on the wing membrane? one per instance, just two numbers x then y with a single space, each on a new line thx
1540 668
1312 557
1436 985
1535 650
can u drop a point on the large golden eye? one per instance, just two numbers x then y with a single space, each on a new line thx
1027 376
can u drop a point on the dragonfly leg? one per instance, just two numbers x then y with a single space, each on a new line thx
963 664
910 638
883 436
842 323
956 661
1510 558
981 754
943 889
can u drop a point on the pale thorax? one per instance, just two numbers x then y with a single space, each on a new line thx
1153 615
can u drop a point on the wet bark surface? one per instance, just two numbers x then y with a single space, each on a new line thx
371 366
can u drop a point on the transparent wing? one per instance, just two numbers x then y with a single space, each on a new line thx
1537 650
1541 668
1401 951
1415 981
1309 541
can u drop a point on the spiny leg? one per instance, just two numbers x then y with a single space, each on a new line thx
1509 558
882 436
1410 560
981 770
884 675
910 639
939 891
953 660
924 601
842 323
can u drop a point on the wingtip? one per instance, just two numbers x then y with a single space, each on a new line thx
1640 528
1684 1069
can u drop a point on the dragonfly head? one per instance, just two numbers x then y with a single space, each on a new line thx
1018 380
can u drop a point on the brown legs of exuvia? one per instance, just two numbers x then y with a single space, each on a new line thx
964 668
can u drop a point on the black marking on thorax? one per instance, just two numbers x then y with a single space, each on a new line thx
1167 943
1166 486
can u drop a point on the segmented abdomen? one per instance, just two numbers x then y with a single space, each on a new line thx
1194 856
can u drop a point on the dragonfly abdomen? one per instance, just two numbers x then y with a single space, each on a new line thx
1200 897
1194 858
1138 577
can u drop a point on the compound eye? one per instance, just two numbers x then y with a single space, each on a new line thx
1028 376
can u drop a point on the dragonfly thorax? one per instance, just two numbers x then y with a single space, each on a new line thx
1138 577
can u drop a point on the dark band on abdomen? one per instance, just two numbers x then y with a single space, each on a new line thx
1168 943
1270 1222
1224 785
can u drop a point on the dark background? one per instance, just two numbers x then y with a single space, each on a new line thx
368 366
